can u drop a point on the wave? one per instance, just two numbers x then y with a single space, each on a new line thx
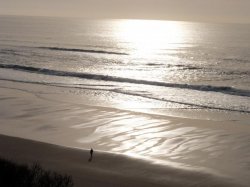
125 92
237 72
220 89
154 64
185 67
179 66
184 103
8 51
83 50
236 60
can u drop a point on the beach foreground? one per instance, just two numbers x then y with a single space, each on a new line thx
105 169
220 148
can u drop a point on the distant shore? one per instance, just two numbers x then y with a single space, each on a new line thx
105 169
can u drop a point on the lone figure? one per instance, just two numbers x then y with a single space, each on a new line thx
91 154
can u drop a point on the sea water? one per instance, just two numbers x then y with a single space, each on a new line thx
192 70
172 65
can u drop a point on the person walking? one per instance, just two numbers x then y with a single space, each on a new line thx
91 154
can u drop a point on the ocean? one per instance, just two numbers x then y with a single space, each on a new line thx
161 68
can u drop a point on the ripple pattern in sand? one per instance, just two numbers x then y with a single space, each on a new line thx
171 140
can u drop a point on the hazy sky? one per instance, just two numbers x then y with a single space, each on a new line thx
196 10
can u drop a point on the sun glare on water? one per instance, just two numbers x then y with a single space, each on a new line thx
147 38
147 41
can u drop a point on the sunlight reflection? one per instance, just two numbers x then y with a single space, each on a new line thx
147 37
150 136
135 104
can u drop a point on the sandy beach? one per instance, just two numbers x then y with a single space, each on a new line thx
105 169
131 148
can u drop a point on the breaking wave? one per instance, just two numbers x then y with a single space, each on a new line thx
220 89
126 92
82 50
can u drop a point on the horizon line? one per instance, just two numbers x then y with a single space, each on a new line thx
109 18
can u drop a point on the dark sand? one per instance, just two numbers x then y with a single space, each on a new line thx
106 169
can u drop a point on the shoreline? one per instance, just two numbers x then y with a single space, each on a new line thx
106 169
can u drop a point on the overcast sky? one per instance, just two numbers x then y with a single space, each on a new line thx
193 10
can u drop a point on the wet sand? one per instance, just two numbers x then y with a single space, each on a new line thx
53 115
105 169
